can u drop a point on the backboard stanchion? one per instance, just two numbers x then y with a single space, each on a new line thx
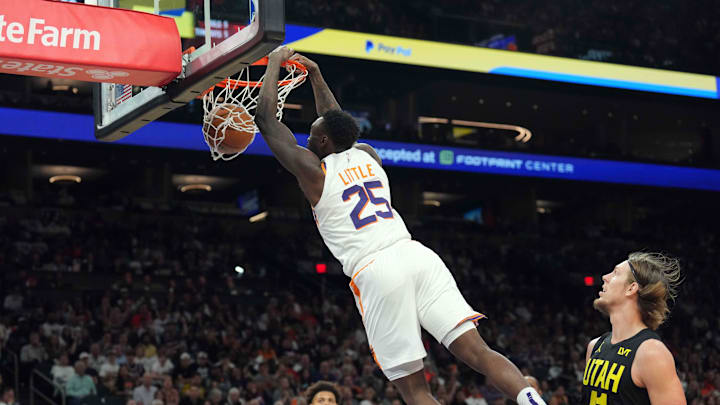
208 24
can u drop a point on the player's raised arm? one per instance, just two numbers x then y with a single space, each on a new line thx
299 161
324 99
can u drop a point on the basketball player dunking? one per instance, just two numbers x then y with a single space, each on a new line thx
399 284
630 365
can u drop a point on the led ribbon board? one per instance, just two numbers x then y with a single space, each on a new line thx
475 59
77 127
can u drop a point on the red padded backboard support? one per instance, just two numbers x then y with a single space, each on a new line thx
90 43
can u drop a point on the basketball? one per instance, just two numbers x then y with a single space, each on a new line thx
234 123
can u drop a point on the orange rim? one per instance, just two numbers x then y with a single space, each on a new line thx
234 84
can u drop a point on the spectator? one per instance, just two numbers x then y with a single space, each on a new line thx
62 371
8 397
162 366
54 346
124 381
193 397
559 397
96 359
52 326
216 396
145 393
110 367
284 391
195 382
233 397
266 351
85 358
186 369
80 388
108 389
475 397
170 393
135 363
121 351
203 367
391 394
368 397
33 352
14 301
149 339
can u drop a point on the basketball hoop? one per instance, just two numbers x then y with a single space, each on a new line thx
242 91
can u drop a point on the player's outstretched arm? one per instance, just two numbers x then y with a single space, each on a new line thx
324 98
656 372
299 161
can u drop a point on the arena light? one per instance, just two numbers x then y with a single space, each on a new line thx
321 268
259 217
432 120
65 178
239 270
195 187
217 183
589 281
437 198
523 135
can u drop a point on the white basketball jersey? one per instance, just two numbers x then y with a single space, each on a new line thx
355 215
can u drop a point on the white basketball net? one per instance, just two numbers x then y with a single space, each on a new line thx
241 91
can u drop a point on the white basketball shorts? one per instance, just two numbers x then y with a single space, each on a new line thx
398 290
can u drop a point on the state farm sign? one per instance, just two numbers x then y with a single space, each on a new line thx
48 35
54 39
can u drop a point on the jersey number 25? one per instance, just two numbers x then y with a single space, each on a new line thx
365 194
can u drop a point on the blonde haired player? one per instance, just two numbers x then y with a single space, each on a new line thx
630 365
399 284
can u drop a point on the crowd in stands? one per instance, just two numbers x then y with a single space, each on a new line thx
673 34
143 308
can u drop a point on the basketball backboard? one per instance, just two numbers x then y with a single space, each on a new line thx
242 32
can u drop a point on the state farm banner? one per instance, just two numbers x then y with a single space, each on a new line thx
90 43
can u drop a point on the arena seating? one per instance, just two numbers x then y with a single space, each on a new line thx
90 281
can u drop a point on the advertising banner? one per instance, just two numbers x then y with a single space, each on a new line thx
77 127
385 48
89 43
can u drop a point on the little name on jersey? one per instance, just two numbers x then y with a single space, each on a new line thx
356 173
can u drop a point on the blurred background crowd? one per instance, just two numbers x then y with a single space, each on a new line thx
120 303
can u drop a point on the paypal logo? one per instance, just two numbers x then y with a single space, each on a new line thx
387 49
369 45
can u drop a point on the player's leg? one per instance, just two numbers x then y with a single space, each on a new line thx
414 389
444 313
473 351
